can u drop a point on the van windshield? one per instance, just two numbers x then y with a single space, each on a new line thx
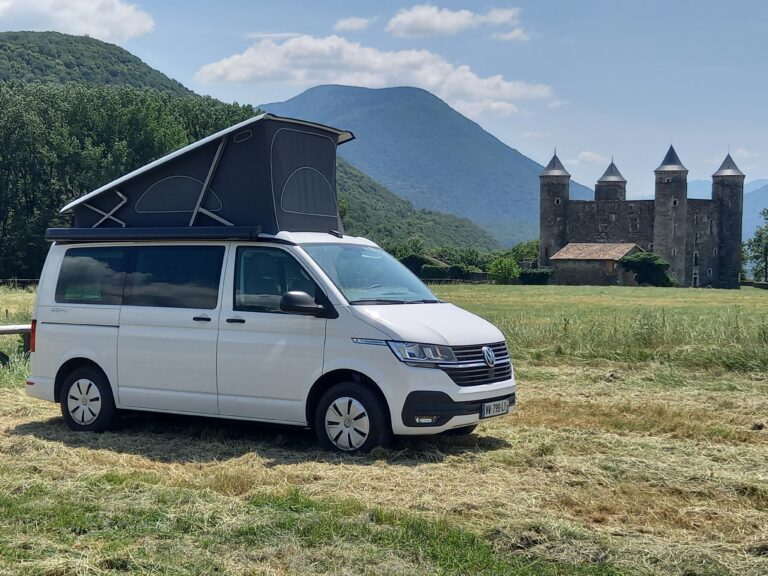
368 275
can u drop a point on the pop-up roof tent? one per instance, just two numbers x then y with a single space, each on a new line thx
263 175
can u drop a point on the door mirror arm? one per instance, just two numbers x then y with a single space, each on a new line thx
297 302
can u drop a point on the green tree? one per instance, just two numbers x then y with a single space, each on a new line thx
757 250
648 268
503 270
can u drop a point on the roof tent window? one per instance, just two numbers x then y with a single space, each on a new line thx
303 169
175 277
92 276
176 194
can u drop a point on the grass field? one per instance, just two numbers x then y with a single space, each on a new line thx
638 448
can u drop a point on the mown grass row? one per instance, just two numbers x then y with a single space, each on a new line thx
124 523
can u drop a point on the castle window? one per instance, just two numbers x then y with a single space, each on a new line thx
709 271
714 251
695 282
558 201
696 218
674 251
650 246
613 217
710 227
695 258
675 202
696 238
667 180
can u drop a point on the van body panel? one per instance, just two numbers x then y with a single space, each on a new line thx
167 360
440 323
267 361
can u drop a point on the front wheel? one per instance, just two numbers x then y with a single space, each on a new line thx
86 401
350 418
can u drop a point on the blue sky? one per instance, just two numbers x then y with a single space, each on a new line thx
594 78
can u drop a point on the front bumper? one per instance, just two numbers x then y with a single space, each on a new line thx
442 406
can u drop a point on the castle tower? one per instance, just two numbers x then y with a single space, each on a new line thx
728 196
670 214
612 185
554 183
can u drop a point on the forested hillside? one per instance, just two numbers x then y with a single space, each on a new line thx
369 209
54 57
58 142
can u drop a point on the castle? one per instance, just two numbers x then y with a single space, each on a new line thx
701 239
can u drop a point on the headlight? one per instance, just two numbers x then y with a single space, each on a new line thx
426 355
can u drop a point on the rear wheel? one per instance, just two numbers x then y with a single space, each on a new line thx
86 401
350 418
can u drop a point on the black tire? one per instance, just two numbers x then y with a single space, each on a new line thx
89 383
379 430
463 431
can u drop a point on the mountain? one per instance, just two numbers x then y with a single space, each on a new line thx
754 202
371 210
423 150
51 57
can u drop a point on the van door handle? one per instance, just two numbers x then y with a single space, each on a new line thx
235 320
201 318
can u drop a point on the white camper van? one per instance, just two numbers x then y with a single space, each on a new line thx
306 328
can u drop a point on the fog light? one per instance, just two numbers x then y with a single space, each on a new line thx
426 419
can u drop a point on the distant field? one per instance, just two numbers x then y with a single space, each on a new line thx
637 449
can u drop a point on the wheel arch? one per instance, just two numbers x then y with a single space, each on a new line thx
70 366
335 377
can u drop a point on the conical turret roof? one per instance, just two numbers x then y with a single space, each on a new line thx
728 168
555 168
671 162
612 174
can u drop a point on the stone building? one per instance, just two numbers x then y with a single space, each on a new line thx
701 239
596 264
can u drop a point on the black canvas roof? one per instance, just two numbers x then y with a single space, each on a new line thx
268 173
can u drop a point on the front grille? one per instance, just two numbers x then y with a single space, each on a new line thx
475 353
472 370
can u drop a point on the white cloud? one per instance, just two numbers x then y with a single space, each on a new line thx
272 35
353 23
745 154
308 60
516 34
111 20
427 20
587 157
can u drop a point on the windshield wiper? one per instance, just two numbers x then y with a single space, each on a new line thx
425 301
377 301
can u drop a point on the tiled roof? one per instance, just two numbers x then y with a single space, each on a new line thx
594 251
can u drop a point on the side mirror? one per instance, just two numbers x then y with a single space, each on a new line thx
301 303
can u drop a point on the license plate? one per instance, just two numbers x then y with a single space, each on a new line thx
496 408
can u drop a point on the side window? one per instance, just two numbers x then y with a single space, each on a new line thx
263 275
175 276
92 276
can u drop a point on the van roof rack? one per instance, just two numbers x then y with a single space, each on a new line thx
252 233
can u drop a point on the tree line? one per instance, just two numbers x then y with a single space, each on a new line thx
58 142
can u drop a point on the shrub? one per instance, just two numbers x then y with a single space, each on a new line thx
433 272
503 270
648 268
414 263
535 276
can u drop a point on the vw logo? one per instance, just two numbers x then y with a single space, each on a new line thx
489 356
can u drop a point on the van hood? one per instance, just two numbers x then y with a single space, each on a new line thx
429 323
